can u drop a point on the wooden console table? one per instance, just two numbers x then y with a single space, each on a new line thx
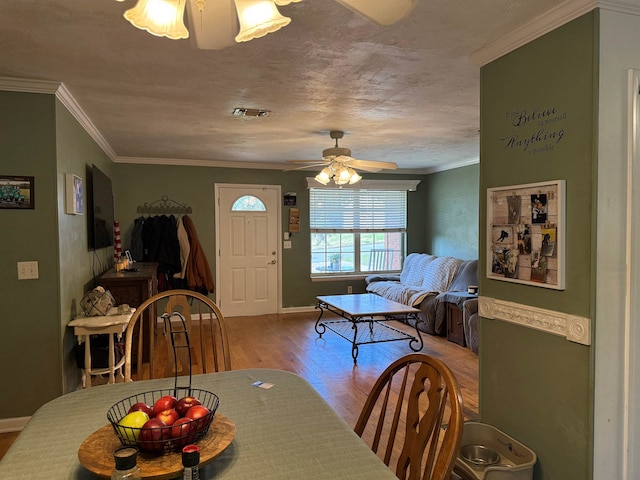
133 287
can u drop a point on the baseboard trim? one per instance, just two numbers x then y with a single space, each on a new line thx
574 328
13 424
304 309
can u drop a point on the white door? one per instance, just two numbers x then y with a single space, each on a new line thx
247 226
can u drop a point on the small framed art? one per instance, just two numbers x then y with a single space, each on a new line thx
16 192
74 194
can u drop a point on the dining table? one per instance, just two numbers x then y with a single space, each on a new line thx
284 429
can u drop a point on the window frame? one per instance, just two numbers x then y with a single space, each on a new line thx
380 185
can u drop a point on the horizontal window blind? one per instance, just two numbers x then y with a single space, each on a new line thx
357 210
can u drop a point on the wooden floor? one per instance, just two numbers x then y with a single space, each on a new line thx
289 342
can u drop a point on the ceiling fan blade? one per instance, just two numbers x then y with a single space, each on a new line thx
304 167
318 162
366 169
215 27
363 164
382 12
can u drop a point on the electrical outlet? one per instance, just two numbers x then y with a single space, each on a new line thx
349 289
27 270
286 244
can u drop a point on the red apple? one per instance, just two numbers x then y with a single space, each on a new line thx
141 407
199 414
164 403
185 403
153 435
168 417
183 431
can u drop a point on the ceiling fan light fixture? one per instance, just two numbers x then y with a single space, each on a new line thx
258 18
355 178
324 176
163 18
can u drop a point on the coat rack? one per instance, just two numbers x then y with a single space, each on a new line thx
164 206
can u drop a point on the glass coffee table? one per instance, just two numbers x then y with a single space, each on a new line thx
364 316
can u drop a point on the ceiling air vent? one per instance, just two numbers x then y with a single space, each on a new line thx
250 112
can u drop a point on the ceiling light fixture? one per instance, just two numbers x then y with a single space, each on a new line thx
339 172
165 18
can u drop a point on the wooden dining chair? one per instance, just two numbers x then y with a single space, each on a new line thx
151 343
413 418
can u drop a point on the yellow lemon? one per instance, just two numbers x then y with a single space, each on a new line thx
130 424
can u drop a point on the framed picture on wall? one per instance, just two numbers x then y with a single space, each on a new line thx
525 234
16 192
74 194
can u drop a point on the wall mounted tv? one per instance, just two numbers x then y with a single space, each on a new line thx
101 212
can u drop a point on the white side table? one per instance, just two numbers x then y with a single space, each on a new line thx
84 327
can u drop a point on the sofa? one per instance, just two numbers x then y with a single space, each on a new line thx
471 320
424 283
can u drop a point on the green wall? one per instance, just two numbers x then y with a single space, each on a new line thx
29 344
536 386
451 212
76 152
139 184
39 137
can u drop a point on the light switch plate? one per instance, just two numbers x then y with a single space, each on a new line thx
27 270
287 244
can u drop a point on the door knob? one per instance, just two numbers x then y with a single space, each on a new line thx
272 262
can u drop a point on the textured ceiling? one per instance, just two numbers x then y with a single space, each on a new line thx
406 93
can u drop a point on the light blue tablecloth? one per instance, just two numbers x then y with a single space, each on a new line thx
285 432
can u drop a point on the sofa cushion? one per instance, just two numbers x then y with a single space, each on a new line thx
398 292
414 268
439 274
467 275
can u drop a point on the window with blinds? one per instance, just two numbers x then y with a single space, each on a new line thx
357 231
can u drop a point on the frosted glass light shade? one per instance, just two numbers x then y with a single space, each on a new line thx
324 176
257 18
286 2
355 178
164 18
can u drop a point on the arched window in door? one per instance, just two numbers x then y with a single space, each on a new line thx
248 203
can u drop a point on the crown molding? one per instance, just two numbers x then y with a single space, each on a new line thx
574 328
449 166
544 23
78 113
187 162
27 85
61 92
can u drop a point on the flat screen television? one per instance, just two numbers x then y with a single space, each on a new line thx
101 210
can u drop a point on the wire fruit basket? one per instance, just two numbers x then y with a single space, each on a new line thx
162 438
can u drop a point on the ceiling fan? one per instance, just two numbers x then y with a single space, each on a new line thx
214 25
340 166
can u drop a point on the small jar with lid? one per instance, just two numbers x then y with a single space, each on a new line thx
126 459
191 462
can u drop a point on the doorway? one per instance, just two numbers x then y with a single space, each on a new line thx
248 273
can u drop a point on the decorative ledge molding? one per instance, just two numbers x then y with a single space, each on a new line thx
572 327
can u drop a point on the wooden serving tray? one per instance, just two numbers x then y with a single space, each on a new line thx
96 452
